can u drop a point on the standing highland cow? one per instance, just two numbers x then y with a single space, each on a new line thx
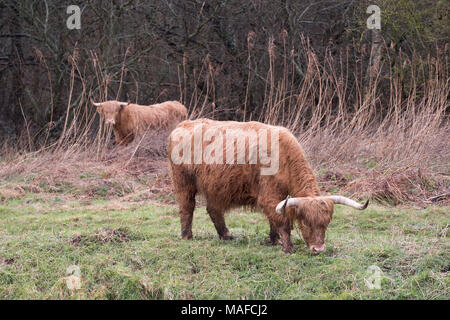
129 120
249 164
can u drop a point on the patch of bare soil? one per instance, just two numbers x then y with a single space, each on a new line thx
6 261
102 236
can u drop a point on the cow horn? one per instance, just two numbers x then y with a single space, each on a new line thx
286 204
97 104
124 103
349 202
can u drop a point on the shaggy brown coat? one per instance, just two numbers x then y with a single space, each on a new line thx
129 120
229 185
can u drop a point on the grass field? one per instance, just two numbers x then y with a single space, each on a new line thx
133 250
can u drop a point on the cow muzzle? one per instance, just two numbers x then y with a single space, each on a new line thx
110 121
317 249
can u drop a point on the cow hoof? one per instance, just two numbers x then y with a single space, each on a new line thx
272 242
227 237
289 250
275 242
187 237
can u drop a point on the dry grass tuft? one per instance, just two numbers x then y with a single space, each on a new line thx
394 187
106 235
390 186
387 139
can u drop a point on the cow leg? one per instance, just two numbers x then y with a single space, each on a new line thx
274 235
217 217
185 191
286 243
129 138
186 201
280 227
118 137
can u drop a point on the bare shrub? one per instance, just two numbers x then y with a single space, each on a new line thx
385 130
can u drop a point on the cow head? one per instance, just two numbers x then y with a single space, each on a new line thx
313 214
110 110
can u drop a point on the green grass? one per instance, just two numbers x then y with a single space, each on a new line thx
38 237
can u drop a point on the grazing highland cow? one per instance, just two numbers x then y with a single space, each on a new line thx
236 164
129 120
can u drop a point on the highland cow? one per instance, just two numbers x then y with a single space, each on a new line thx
129 120
204 159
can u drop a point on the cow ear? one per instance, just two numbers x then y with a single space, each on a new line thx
122 104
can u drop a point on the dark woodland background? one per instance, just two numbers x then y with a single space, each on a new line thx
152 51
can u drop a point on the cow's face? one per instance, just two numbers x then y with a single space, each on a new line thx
313 214
313 217
110 110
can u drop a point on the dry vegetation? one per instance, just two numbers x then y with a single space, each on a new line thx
384 137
